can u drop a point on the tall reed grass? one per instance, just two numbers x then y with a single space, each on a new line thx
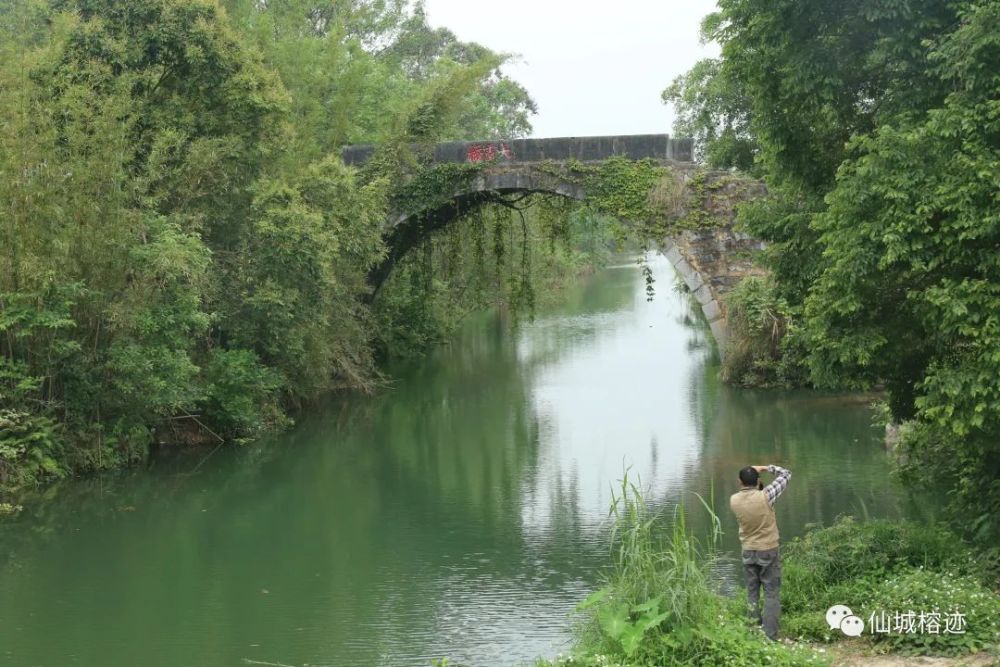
660 604
656 561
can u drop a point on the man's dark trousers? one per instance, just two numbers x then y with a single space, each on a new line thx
763 568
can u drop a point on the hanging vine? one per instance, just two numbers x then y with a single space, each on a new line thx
637 202
499 245
478 223
523 297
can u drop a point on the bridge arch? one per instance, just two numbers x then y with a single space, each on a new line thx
710 259
493 185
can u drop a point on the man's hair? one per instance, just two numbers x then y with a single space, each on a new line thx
749 476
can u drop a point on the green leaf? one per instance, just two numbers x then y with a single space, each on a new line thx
652 605
631 638
594 598
648 621
614 620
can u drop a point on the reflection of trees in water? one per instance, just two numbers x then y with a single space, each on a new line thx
838 464
348 523
587 312
827 440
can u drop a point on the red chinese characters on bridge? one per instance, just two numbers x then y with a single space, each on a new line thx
488 152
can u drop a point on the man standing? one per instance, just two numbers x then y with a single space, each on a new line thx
754 509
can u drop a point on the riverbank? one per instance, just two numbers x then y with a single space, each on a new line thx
922 595
855 654
478 496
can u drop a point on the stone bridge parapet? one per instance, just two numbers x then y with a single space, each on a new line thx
659 147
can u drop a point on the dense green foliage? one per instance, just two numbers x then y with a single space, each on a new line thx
758 320
876 129
660 606
714 111
893 567
920 307
183 256
127 168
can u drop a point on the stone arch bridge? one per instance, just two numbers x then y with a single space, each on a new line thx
709 260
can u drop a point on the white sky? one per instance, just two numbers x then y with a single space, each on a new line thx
592 68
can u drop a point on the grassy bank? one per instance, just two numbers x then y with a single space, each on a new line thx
881 568
660 604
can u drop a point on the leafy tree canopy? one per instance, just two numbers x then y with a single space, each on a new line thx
876 127
182 253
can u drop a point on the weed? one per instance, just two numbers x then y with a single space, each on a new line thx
659 605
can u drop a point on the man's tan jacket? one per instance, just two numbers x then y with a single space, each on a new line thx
758 527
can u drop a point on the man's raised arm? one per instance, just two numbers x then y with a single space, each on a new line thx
775 488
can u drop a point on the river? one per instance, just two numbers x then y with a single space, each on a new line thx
461 512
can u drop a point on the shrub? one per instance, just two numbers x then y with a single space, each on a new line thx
758 319
850 550
941 592
962 469
240 393
29 449
891 567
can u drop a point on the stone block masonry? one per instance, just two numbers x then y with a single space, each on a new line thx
711 262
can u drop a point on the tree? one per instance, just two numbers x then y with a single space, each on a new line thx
713 109
182 253
501 107
910 292
139 129
812 75
354 68
817 73
298 276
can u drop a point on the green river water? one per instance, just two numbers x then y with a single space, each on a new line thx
461 512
